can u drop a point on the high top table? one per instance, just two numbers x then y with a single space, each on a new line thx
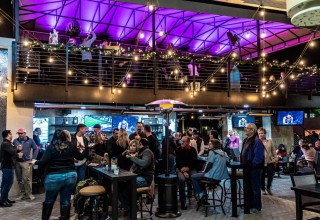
123 176
234 165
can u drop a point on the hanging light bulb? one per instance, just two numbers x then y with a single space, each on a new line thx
161 33
176 71
267 95
282 86
186 89
141 35
100 87
212 80
119 91
264 68
274 92
263 54
264 79
129 75
170 52
263 35
312 44
181 81
301 62
86 81
223 70
25 43
204 89
136 57
50 60
262 13
151 7
234 54
124 85
264 87
292 76
70 72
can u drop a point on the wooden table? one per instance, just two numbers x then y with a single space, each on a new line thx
123 176
234 167
312 190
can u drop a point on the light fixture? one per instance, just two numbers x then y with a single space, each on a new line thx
264 87
25 43
151 7
136 57
181 81
204 88
186 89
246 106
124 85
170 52
292 76
247 34
50 60
264 68
267 95
282 86
212 80
192 117
301 62
263 35
263 54
70 72
141 35
200 110
274 92
264 79
129 75
312 44
100 87
119 91
223 70
262 13
234 54
86 81
161 33
176 71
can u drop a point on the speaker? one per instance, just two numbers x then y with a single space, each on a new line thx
7 18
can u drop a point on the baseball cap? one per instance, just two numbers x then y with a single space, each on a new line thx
21 130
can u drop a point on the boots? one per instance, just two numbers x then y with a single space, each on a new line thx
46 210
64 212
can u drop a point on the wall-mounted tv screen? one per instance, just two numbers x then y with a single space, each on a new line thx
290 118
127 123
240 121
104 121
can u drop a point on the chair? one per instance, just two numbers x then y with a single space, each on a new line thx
214 187
145 196
95 193
299 179
227 190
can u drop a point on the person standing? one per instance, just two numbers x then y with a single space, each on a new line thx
199 141
8 160
23 173
153 142
81 143
252 156
62 177
36 137
270 161
138 134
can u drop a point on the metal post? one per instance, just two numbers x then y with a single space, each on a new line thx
259 54
67 67
166 126
228 75
194 75
155 72
112 78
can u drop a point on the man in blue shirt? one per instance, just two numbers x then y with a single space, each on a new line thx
23 166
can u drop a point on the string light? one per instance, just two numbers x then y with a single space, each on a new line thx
264 79
186 89
100 87
263 35
51 60
124 85
151 7
86 81
292 76
263 54
282 86
264 68
274 92
223 70
70 72
247 34
267 95
204 89
119 91
176 71
234 54
264 87
26 43
181 81
301 62
170 52
262 13
129 75
212 80
312 44
136 58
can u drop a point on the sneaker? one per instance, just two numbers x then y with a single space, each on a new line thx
254 211
11 201
269 192
31 197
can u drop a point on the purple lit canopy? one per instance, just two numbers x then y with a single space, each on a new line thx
193 31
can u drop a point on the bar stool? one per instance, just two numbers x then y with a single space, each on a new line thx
145 196
213 186
95 193
227 190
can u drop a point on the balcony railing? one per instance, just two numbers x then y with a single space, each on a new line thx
64 66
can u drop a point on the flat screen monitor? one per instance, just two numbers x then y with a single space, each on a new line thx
127 123
287 118
104 121
240 121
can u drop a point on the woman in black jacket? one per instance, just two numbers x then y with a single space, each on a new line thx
62 177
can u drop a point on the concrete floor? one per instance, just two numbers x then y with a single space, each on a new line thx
280 206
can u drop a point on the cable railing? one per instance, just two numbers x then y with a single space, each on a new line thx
107 68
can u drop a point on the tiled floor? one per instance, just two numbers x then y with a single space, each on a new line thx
281 206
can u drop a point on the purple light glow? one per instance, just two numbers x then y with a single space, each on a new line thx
124 21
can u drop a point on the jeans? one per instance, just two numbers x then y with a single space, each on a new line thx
23 178
255 186
269 170
62 183
182 184
195 178
7 181
81 172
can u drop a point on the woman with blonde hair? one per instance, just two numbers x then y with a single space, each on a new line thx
123 139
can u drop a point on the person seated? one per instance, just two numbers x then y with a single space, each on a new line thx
215 169
308 155
186 163
143 166
282 153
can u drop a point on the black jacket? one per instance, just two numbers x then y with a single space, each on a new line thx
63 161
8 155
186 157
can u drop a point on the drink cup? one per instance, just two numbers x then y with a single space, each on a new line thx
116 171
